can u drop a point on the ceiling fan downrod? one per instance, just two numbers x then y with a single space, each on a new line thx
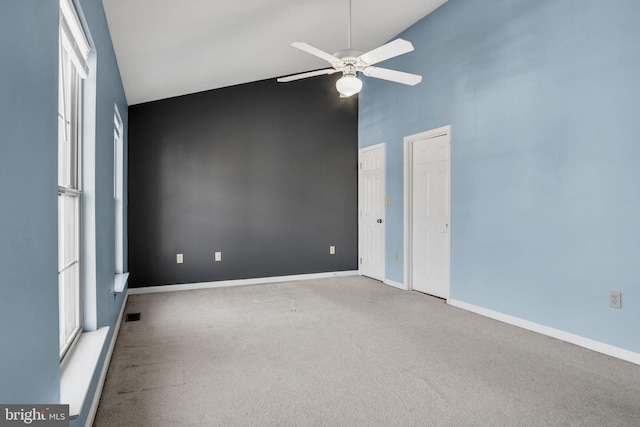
349 28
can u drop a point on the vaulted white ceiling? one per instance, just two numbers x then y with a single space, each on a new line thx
168 48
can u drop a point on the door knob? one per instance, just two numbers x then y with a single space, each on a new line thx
379 221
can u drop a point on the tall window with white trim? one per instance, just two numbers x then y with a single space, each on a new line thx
72 69
118 187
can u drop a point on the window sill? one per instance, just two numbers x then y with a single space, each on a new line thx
78 369
120 282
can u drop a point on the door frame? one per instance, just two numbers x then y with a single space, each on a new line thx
408 202
382 145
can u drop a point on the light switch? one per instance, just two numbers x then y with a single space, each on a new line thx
388 201
218 256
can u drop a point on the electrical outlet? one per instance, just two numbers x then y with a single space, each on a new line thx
179 258
615 299
332 250
218 256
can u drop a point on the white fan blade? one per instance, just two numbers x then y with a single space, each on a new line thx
317 52
393 75
305 75
386 51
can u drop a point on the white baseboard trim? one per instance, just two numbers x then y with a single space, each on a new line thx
239 282
578 340
395 284
105 367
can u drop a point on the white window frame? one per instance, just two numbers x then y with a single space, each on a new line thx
73 68
118 188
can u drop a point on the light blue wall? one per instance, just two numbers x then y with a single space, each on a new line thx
543 99
109 91
29 362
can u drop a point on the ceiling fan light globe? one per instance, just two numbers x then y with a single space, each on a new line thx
348 85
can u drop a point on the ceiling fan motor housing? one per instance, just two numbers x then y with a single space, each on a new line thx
348 53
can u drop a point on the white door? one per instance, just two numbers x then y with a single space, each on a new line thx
431 217
371 190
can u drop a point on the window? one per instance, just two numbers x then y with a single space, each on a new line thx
72 68
118 187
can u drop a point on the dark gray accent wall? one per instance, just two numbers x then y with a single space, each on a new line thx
264 172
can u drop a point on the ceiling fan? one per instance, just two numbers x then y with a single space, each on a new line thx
349 62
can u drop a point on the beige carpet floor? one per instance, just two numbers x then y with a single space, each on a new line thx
349 352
